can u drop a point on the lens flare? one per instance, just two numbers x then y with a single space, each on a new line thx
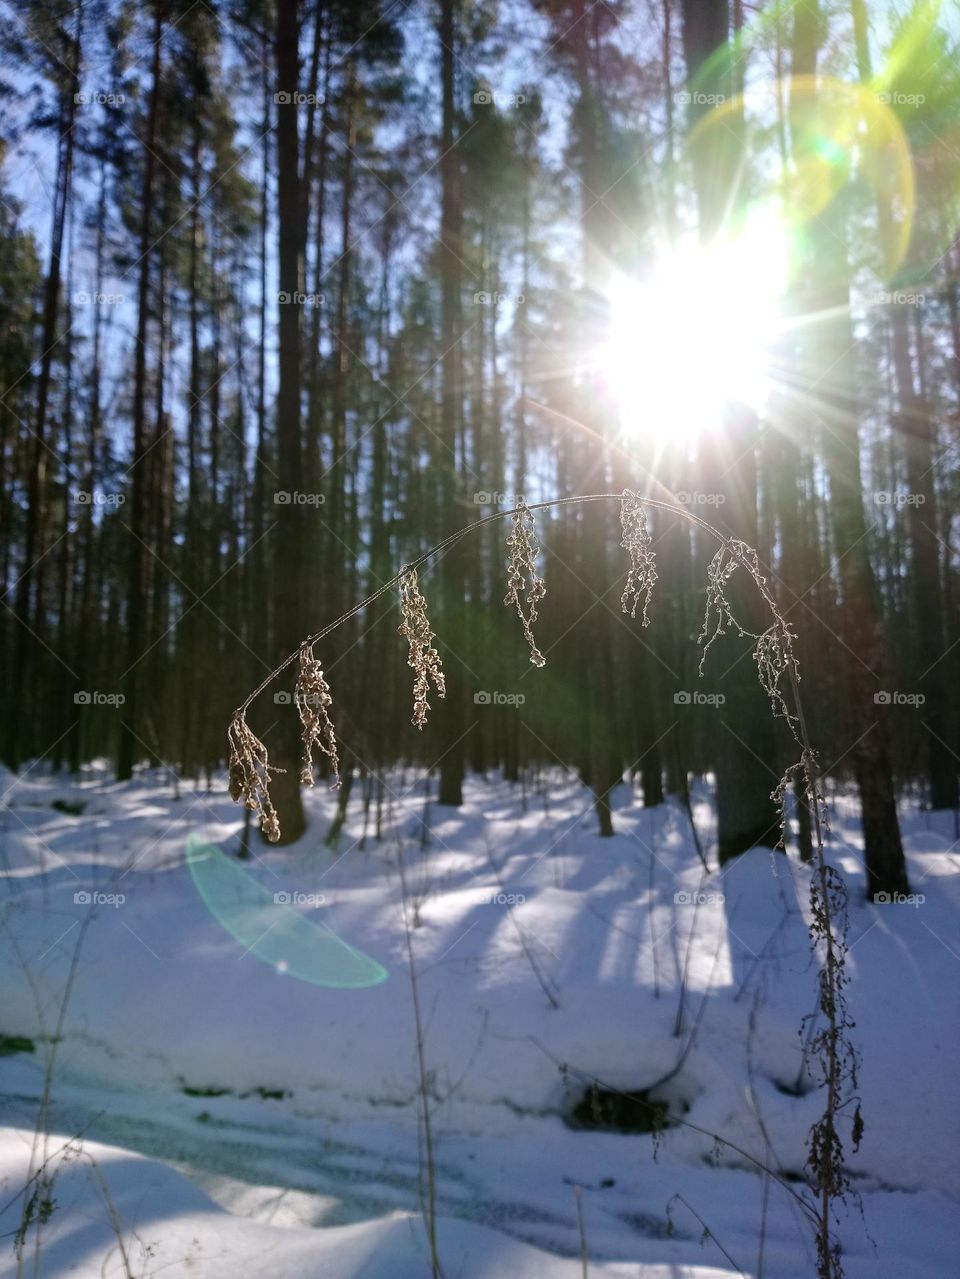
273 930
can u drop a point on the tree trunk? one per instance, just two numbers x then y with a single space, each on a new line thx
127 750
287 564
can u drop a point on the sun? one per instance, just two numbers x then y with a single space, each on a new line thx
696 334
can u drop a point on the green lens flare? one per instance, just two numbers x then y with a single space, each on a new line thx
273 930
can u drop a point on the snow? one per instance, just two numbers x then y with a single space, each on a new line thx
248 1121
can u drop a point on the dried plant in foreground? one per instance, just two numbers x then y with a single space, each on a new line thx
250 771
638 543
779 675
836 1056
423 658
312 697
521 566
718 613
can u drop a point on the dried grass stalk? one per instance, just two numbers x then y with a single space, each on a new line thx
312 697
638 543
775 658
718 615
423 658
250 771
522 576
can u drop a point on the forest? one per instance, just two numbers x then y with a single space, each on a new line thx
510 446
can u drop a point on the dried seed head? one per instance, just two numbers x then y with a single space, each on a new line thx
638 543
521 573
718 612
422 658
775 658
312 697
250 771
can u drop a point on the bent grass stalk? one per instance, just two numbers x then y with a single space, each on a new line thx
779 674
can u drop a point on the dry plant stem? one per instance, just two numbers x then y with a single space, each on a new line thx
638 543
430 1207
115 1223
545 984
312 698
707 1232
777 668
40 1134
578 1196
423 658
522 577
250 771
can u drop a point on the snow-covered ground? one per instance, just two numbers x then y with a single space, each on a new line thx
224 1104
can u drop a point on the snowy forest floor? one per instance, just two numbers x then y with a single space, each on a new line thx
218 1115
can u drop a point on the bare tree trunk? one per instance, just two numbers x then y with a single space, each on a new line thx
451 716
287 565
139 519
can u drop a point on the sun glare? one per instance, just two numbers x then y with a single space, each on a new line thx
695 334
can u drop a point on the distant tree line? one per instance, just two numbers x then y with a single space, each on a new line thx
309 285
